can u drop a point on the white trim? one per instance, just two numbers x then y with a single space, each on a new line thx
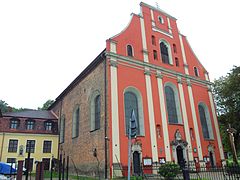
183 55
169 25
206 76
115 115
163 32
164 120
185 122
152 18
151 119
195 123
113 47
144 42
220 147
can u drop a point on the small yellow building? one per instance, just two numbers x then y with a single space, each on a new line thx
29 131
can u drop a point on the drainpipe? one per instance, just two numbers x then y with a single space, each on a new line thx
105 115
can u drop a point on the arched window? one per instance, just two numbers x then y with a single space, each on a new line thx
196 73
153 40
160 19
133 101
174 48
173 105
165 52
155 55
75 122
95 111
177 62
129 50
205 121
62 129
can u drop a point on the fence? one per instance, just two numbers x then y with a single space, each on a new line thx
190 171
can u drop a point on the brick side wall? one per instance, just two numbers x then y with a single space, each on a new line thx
80 149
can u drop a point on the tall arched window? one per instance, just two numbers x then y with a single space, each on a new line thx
173 105
129 50
133 101
62 129
153 40
196 73
95 111
205 121
165 52
75 122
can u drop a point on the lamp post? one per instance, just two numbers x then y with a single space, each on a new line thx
231 131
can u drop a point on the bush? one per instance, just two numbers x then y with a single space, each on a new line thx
169 170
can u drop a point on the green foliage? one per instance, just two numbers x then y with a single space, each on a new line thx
46 105
227 97
169 170
3 106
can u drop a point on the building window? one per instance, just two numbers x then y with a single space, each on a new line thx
177 62
174 48
11 160
153 40
29 164
62 129
160 19
205 121
75 123
173 105
30 146
48 125
46 163
133 101
12 145
155 55
30 124
165 52
129 50
95 111
47 146
14 123
196 73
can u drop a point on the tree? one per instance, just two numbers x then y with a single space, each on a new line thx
226 91
3 106
46 105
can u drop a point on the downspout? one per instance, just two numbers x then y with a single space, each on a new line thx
105 115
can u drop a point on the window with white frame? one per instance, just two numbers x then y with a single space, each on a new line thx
133 101
165 51
172 104
205 121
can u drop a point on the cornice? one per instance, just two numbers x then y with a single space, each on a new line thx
156 68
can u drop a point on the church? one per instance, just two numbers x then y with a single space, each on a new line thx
150 68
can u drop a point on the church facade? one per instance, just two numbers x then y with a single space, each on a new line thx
150 68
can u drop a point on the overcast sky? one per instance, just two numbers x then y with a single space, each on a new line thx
45 44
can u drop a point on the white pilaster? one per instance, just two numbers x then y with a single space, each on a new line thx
195 123
220 147
144 42
185 121
163 117
184 55
151 118
169 25
152 17
114 108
